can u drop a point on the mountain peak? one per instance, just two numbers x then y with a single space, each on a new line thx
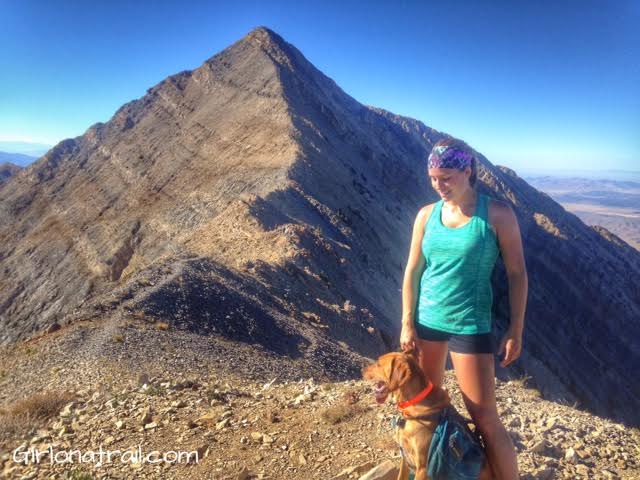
266 35
273 45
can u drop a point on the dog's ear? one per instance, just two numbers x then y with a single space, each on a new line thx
400 373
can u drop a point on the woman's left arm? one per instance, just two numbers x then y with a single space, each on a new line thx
505 224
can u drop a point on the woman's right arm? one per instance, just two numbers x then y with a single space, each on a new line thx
415 266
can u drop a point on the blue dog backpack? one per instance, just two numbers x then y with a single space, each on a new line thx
456 452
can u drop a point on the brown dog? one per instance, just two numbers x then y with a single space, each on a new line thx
421 404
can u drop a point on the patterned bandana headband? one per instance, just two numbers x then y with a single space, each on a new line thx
449 157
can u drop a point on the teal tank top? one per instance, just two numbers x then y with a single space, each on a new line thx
455 292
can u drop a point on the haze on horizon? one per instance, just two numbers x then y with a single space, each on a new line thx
531 86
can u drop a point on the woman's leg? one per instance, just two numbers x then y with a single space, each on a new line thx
433 358
476 378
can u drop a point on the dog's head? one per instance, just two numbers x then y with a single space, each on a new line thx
391 371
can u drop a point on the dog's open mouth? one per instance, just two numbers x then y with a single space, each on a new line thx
381 392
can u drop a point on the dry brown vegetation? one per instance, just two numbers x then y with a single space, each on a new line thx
31 412
340 412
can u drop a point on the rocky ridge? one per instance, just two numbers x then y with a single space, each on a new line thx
251 424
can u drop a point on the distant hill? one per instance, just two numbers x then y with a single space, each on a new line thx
19 159
26 148
7 170
613 204
598 175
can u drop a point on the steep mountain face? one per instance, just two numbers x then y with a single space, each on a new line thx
130 191
253 199
584 302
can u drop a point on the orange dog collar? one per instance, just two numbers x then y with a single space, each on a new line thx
418 398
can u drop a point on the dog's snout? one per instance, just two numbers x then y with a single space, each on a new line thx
367 372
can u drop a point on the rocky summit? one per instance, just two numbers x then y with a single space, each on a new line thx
257 209
253 422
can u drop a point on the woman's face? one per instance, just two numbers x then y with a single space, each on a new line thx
450 183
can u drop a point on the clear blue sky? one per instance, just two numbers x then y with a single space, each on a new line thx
531 84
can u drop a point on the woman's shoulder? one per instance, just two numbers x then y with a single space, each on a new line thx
499 212
426 210
499 207
423 215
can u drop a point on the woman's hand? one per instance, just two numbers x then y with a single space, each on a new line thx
511 346
408 337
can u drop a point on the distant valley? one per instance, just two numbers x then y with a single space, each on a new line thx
612 204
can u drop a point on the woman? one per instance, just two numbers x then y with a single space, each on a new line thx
447 297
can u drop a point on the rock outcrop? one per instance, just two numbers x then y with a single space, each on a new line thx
7 170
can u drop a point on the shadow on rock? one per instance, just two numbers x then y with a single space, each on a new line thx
197 300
